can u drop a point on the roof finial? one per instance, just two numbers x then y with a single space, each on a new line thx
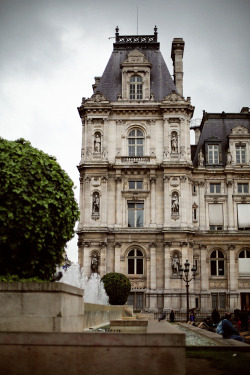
156 33
117 34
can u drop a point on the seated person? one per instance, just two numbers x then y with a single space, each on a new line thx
229 332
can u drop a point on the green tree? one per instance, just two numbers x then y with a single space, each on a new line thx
38 211
117 287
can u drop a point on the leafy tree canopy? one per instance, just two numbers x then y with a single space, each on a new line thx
38 211
117 287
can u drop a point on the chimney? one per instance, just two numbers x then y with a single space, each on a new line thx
177 57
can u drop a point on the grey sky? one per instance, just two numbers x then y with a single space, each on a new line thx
50 51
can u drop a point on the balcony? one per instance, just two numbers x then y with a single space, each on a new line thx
133 159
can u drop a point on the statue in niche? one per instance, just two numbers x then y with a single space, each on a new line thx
229 157
174 142
200 158
94 264
175 265
97 143
175 204
96 204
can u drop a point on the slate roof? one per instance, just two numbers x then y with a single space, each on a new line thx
161 82
219 125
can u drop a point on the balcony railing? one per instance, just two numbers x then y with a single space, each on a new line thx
135 159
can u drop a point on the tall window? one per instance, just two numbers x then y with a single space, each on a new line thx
244 263
135 262
240 154
135 87
135 214
217 263
218 300
215 188
242 188
213 154
135 143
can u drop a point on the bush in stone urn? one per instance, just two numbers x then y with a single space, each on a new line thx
38 212
117 287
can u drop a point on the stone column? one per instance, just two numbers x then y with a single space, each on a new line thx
104 200
202 217
117 257
152 201
105 139
153 266
89 140
204 276
184 201
166 144
230 209
232 274
166 207
86 260
88 200
118 208
81 201
83 152
102 265
167 271
80 245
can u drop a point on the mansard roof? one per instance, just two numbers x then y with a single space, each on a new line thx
219 127
161 82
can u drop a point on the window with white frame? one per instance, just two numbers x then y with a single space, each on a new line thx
244 263
217 263
213 154
215 188
216 219
135 262
243 216
135 214
135 185
135 88
242 187
136 142
240 154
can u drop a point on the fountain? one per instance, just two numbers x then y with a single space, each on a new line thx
94 291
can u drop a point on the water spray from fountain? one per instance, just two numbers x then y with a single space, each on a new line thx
94 291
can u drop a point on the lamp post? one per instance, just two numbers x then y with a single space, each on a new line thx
187 280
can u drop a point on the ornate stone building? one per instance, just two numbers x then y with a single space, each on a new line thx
148 199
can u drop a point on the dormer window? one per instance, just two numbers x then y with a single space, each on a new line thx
213 151
213 154
135 88
240 154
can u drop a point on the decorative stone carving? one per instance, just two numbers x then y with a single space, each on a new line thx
97 143
175 204
97 98
165 152
138 284
173 97
95 205
175 264
94 262
218 284
174 142
229 158
244 284
96 182
175 181
200 159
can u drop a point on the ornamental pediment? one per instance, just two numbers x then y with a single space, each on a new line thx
98 97
173 97
135 57
239 131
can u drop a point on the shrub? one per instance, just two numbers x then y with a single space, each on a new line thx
37 211
117 287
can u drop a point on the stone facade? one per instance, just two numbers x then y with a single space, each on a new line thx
148 199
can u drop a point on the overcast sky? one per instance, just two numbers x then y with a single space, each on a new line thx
50 51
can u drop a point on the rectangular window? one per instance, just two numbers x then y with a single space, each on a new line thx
240 154
242 188
135 185
243 216
222 300
215 188
214 301
135 214
216 219
213 154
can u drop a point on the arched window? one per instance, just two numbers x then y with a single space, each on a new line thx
136 143
135 262
135 87
217 263
244 263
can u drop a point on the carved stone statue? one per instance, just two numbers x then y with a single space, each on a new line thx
94 264
174 142
229 157
175 265
96 204
200 158
175 203
97 143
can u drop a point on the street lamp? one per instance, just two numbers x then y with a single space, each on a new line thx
187 280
